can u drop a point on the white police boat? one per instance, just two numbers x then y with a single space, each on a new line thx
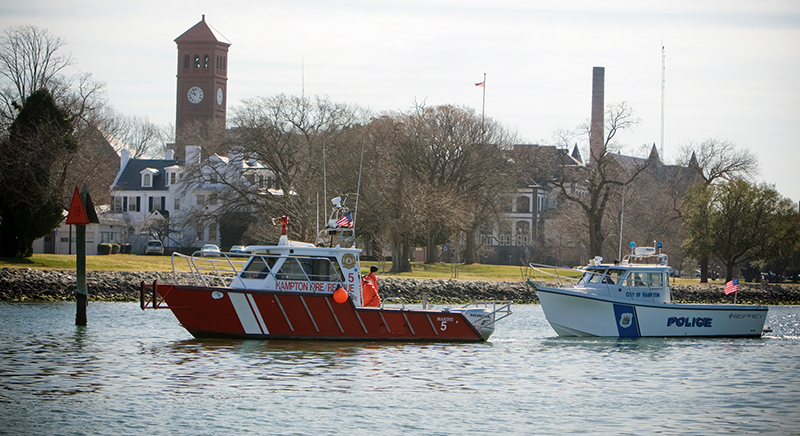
632 299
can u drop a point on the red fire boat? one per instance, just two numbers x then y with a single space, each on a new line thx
302 291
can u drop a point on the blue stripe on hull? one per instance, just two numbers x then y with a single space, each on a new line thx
625 318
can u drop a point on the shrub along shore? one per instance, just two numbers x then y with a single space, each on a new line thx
26 284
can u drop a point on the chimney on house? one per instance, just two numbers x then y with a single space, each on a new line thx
192 155
124 157
596 132
169 154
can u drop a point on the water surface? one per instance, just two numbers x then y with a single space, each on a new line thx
135 372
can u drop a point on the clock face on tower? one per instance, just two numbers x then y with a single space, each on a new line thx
195 95
219 96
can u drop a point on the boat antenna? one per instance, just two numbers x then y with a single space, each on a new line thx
621 220
663 79
325 181
358 190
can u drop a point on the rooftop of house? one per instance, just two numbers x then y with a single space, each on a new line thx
131 177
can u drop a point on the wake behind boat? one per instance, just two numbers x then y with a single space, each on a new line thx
301 291
632 299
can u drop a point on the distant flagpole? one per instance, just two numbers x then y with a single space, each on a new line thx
483 105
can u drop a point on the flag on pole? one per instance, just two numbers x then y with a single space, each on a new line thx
345 221
481 84
732 286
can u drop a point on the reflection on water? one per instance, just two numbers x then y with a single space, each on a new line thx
130 371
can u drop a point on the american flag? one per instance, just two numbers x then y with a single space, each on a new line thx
732 286
345 221
481 84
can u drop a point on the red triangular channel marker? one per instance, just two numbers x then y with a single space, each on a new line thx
77 212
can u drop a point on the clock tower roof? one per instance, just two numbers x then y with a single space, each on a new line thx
202 32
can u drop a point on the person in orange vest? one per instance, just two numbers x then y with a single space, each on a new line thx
369 288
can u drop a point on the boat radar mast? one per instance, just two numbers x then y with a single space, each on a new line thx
339 230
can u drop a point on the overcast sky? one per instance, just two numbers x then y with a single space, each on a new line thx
732 67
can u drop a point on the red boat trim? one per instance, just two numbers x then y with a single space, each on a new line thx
335 318
362 322
384 321
408 323
278 300
313 321
432 326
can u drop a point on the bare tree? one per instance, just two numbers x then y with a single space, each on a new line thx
593 186
139 135
30 59
717 159
278 142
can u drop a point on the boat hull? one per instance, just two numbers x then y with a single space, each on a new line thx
210 312
573 313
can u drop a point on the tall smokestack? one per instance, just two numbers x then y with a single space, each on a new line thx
596 132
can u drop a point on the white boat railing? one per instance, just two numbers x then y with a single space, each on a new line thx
223 268
499 308
197 269
560 277
566 279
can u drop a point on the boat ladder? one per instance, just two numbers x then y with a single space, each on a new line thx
151 299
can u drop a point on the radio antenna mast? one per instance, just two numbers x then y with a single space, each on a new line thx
663 74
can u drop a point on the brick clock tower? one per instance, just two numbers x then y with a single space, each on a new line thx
202 81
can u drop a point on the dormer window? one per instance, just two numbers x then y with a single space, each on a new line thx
148 174
173 175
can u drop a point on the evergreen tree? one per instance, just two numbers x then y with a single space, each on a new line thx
33 165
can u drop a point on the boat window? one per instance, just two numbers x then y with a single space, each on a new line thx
598 276
635 279
615 276
314 269
655 280
645 279
258 268
325 270
292 269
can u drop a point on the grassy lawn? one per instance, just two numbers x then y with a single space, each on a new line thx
438 271
114 262
136 262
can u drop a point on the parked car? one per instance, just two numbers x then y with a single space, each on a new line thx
153 247
238 249
209 250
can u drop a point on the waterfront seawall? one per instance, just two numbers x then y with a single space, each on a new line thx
26 284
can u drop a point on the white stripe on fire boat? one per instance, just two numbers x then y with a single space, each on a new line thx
258 313
245 313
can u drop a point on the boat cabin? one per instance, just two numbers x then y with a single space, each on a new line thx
639 277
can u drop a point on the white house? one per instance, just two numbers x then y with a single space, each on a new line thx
62 239
155 199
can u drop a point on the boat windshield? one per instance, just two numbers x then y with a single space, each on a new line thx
320 269
610 276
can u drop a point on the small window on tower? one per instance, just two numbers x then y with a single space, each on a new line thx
185 61
205 62
197 61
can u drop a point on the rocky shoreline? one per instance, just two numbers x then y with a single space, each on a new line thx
26 284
